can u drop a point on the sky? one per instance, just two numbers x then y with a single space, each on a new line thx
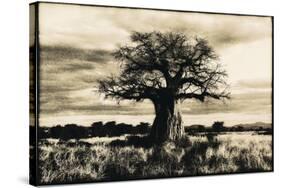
76 44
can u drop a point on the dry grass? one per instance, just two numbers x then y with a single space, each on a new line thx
80 161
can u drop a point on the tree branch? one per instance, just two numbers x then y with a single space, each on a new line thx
166 62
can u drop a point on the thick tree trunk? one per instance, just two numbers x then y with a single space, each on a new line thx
167 124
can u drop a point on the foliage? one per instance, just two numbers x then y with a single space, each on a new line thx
218 126
159 64
97 129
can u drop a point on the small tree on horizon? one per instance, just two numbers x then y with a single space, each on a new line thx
218 126
166 68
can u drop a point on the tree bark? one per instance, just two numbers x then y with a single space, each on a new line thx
167 124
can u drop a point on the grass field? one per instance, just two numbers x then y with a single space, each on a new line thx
96 159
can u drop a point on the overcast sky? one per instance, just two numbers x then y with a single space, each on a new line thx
76 42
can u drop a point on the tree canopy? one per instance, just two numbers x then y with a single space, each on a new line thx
155 62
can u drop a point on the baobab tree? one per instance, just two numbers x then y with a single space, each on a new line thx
166 68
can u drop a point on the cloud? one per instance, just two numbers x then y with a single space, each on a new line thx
88 102
254 84
67 68
251 86
104 28
65 71
58 53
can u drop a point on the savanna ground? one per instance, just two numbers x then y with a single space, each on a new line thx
131 157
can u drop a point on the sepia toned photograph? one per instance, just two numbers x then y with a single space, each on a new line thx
121 93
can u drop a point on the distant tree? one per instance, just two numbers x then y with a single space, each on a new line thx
98 123
195 128
218 126
201 128
73 131
142 128
166 68
110 124
239 128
